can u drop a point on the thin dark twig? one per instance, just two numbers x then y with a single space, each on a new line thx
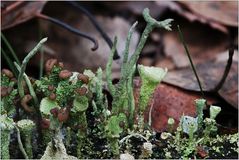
226 71
69 28
190 59
96 25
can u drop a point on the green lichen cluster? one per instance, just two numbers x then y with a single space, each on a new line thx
199 134
68 101
73 110
108 124
122 92
6 125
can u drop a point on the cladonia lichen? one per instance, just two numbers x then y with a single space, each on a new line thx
26 128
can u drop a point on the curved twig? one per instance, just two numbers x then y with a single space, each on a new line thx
69 28
226 71
96 25
132 135
24 102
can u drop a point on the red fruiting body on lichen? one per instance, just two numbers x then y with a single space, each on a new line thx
64 74
5 91
81 91
51 87
49 65
63 115
121 124
8 73
54 112
83 78
52 96
60 64
45 123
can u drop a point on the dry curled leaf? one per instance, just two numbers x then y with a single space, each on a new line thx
19 12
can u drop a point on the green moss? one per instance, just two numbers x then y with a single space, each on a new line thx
54 76
7 102
64 92
5 81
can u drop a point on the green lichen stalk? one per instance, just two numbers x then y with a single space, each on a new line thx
116 124
100 107
5 141
26 127
214 111
151 77
24 65
171 123
47 135
68 137
6 125
200 104
80 105
210 123
81 135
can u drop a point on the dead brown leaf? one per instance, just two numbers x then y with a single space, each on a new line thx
136 7
165 63
172 102
19 12
224 12
168 102
191 16
210 73
202 42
